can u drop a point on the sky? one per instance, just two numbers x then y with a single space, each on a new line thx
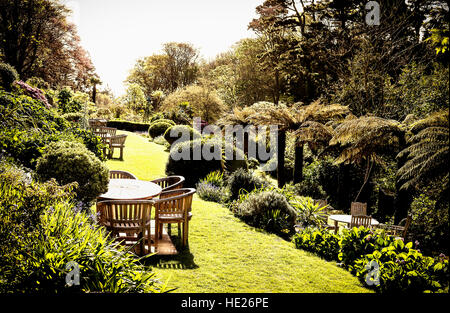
117 32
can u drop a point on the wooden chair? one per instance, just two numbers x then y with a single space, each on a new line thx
170 182
174 206
358 208
117 142
361 220
121 175
95 123
109 130
399 231
132 218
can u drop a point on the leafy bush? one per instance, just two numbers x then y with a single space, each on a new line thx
194 170
400 267
74 117
69 162
163 120
310 189
67 103
357 242
8 75
429 225
243 180
156 116
41 231
179 132
210 192
321 242
268 210
404 269
158 128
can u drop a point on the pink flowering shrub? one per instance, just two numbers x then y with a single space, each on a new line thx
33 92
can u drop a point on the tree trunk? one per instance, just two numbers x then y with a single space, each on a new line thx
403 197
298 165
281 151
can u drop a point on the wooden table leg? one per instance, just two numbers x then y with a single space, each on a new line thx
336 227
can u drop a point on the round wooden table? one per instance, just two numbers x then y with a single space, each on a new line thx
130 189
347 219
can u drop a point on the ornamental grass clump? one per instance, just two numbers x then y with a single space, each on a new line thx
69 162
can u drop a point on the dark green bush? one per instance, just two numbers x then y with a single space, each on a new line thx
310 189
178 130
194 170
158 128
128 126
242 179
268 210
430 225
70 162
321 242
67 103
8 75
209 192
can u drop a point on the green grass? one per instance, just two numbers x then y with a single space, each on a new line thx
225 254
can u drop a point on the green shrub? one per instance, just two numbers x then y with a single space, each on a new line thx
357 242
310 189
69 162
243 180
67 103
179 131
160 140
163 120
429 225
268 210
158 128
319 241
156 116
210 192
308 213
41 231
8 75
194 170
78 118
404 269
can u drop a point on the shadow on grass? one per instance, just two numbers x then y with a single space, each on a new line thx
183 260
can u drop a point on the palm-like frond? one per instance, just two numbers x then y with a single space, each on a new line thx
312 131
363 138
427 152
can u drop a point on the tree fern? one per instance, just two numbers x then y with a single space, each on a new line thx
427 151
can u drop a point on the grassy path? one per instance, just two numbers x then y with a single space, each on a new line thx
226 255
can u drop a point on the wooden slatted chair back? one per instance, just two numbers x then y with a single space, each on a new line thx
121 175
358 208
170 182
361 220
118 140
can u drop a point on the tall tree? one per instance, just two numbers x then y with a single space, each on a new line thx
175 68
36 38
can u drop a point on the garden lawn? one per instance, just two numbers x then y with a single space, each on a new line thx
226 255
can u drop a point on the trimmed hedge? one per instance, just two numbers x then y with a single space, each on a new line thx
178 129
158 129
128 126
